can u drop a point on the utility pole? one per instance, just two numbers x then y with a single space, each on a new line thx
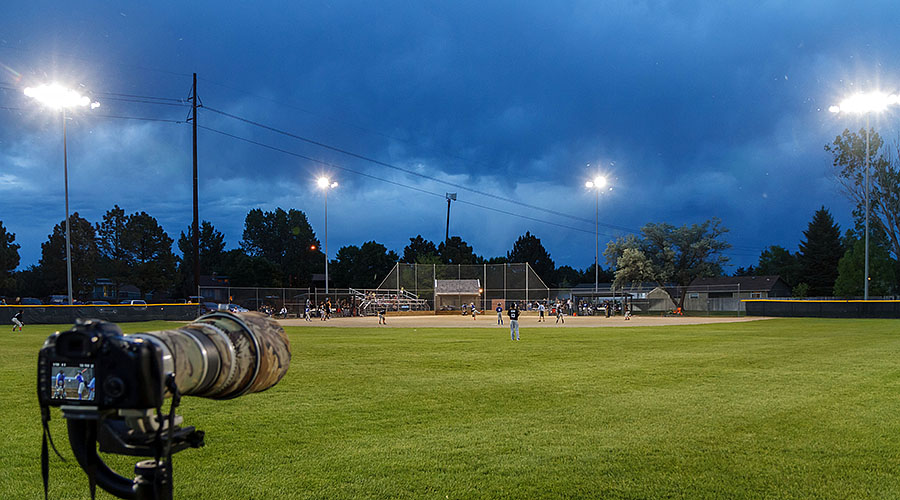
450 197
195 241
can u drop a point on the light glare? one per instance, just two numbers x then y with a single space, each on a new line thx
323 182
57 97
865 103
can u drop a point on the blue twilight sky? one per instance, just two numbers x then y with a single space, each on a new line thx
693 109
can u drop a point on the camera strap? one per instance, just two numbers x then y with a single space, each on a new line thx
45 453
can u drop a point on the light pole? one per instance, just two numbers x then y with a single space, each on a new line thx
866 103
57 97
597 184
326 184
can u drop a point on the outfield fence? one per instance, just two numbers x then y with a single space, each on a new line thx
827 308
116 313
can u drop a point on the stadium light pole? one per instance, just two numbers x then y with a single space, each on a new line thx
866 103
326 184
58 97
597 184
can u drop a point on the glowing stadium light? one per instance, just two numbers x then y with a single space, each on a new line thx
56 96
865 103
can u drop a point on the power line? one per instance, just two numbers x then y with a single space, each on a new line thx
424 191
119 117
411 172
114 94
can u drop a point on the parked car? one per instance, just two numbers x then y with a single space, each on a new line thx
31 301
98 303
208 307
134 302
233 308
58 300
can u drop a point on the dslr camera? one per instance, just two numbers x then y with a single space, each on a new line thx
111 389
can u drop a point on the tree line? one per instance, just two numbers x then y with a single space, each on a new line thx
278 248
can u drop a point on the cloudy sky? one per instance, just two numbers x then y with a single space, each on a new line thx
692 109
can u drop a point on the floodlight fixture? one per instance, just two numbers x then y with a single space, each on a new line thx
57 96
865 102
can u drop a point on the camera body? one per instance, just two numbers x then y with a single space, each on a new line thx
95 366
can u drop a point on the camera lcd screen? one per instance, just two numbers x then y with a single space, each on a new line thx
72 382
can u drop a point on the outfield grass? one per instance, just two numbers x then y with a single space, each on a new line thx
791 408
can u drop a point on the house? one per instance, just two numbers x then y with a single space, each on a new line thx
725 293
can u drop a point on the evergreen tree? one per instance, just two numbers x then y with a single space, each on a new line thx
457 251
528 248
285 239
417 249
820 253
9 260
84 257
362 267
212 255
148 250
113 263
778 261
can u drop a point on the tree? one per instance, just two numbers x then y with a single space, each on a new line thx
603 275
362 267
113 262
418 248
567 276
820 253
212 254
9 259
457 251
779 261
30 282
246 270
148 250
285 239
849 159
84 257
851 270
667 255
528 248
748 271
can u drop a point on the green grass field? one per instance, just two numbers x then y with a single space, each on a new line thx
792 408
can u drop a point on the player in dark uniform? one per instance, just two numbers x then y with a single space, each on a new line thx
513 314
17 321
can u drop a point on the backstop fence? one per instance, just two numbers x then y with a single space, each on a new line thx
496 283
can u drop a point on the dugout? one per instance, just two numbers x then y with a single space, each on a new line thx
452 295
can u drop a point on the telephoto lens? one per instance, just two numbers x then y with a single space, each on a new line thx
224 355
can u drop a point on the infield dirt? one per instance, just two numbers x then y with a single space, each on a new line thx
527 320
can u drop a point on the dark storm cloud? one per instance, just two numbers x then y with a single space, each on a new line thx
695 109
